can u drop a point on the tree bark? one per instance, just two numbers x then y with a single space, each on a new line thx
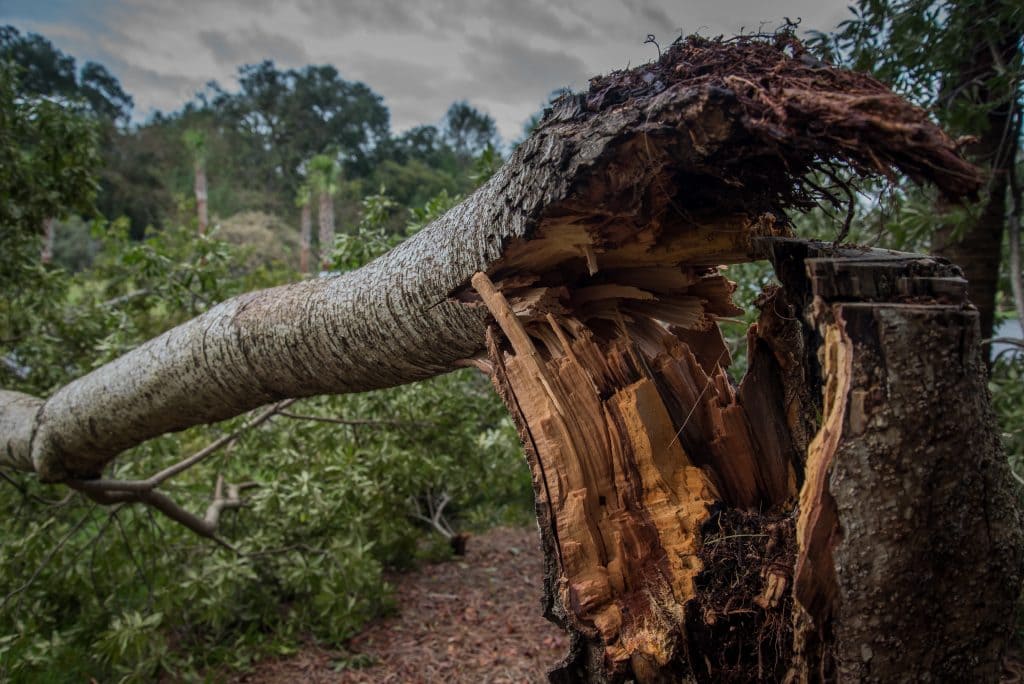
692 529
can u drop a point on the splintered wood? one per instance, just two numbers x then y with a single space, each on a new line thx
633 432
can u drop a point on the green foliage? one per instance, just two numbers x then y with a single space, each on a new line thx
195 143
468 130
123 594
47 159
47 72
323 174
886 38
1007 387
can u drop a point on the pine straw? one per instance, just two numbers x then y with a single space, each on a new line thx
800 121
476 619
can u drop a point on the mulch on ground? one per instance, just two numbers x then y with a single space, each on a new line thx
473 619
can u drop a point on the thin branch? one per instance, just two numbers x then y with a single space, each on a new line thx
138 566
34 497
1012 341
204 527
352 421
46 561
149 484
127 297
436 513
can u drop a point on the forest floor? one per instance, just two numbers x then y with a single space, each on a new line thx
472 619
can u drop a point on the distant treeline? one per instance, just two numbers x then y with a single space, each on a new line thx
257 140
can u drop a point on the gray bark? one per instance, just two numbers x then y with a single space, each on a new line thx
388 323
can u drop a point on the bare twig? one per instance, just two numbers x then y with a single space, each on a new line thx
204 527
38 499
127 297
109 492
651 39
1012 341
151 483
351 421
135 561
435 510
49 556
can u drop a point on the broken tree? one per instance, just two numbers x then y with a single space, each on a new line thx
845 512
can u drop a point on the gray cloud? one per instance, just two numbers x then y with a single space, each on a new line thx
252 45
510 71
503 56
654 17
345 18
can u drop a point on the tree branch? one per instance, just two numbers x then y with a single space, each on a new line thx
354 421
49 556
151 483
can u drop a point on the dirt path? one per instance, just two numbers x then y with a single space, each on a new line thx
475 619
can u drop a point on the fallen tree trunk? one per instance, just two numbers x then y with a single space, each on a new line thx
693 529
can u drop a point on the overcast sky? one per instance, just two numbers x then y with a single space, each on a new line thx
504 56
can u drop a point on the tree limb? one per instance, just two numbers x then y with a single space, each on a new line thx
404 317
354 421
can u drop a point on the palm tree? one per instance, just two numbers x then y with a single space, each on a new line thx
302 200
195 141
324 176
49 236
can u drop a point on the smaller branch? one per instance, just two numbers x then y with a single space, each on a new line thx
149 484
46 561
138 566
223 441
38 499
204 527
351 421
220 502
436 513
127 297
1012 341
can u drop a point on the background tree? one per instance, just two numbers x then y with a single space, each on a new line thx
324 176
468 130
195 141
963 60
303 202
47 71
48 158
286 117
